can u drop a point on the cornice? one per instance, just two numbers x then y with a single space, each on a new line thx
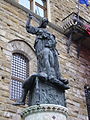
44 108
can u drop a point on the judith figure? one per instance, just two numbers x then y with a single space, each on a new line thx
47 57
45 48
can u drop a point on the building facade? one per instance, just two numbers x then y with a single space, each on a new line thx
18 59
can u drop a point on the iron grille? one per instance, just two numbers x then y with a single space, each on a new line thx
20 71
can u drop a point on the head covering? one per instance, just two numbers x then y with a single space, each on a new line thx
42 22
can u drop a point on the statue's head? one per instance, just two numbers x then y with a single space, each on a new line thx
43 23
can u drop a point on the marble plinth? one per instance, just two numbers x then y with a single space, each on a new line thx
45 112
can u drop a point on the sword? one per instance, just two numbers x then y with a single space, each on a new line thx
34 18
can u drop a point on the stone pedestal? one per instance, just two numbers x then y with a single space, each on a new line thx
45 112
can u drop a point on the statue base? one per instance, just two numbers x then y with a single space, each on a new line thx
46 93
45 112
43 91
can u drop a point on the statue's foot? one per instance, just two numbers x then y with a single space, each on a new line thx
18 103
42 75
66 87
64 81
60 83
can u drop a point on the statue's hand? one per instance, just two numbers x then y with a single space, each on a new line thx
30 16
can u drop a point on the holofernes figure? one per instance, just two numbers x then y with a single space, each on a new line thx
47 56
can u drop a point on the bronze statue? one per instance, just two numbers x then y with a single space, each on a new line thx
46 53
47 58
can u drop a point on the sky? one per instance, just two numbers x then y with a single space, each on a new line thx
25 3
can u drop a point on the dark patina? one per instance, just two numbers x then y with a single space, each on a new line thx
46 86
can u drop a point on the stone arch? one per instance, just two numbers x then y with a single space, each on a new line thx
21 46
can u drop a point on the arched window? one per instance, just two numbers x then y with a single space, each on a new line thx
20 71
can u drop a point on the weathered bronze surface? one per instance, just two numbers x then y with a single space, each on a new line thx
48 76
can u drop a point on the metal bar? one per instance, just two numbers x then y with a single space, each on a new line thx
78 9
37 91
42 7
69 15
18 79
69 42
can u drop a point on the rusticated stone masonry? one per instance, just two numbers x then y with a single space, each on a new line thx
77 71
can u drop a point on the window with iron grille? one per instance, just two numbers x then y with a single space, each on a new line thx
87 94
20 71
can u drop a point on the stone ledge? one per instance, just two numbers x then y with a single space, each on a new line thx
44 108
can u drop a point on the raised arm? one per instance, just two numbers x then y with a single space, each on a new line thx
29 27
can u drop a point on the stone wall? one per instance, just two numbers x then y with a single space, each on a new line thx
62 8
77 71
